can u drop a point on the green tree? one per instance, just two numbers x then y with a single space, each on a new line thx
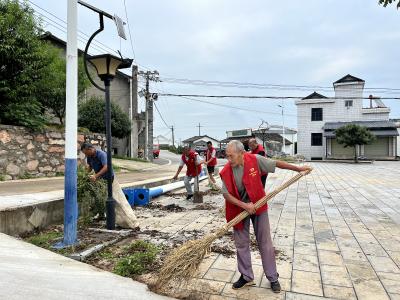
91 116
23 57
53 86
386 2
352 135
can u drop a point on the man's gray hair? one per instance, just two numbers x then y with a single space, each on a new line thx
236 145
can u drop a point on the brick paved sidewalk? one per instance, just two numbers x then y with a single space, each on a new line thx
336 232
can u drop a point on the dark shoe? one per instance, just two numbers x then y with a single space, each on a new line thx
276 287
188 197
241 283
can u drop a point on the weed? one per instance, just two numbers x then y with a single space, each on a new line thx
141 256
2 177
45 240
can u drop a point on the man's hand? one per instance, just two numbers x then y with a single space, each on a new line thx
92 178
175 177
304 168
249 207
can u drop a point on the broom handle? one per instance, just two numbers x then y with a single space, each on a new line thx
244 214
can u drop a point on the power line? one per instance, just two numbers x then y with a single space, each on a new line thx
165 123
100 44
129 30
272 97
263 85
232 107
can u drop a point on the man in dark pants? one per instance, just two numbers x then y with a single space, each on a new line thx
241 189
256 148
97 161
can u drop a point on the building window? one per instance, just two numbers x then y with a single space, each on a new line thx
348 103
316 114
316 139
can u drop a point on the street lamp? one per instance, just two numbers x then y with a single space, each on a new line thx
106 66
283 128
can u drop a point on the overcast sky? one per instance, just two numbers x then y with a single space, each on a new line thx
310 42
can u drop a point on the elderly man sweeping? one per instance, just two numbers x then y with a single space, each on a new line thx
242 188
193 162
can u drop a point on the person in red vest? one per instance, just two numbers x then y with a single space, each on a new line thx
242 188
211 162
256 148
193 162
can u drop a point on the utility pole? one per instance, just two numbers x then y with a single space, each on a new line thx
199 128
153 76
133 112
173 136
283 129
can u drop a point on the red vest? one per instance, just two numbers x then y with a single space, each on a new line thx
258 149
252 183
213 162
191 164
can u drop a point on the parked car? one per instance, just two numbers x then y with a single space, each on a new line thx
156 150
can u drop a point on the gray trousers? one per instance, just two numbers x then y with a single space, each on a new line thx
264 241
188 185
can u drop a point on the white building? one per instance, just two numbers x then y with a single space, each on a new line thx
290 134
318 116
197 142
162 140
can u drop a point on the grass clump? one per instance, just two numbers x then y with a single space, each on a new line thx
141 255
45 240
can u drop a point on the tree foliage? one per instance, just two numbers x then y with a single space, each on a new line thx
23 57
53 87
92 116
386 2
32 71
352 135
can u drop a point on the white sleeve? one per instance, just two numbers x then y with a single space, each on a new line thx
181 163
198 159
214 153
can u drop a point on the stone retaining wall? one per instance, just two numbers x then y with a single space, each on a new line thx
25 153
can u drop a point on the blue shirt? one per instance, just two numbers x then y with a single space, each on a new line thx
97 162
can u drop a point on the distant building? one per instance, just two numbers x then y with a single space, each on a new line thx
200 141
162 141
272 141
318 116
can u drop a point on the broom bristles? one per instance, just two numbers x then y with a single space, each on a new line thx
184 261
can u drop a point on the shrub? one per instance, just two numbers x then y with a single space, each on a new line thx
91 116
141 256
91 196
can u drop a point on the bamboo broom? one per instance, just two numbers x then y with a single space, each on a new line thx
184 261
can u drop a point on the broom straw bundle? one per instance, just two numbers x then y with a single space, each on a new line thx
184 261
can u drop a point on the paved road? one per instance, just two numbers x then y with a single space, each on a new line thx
166 158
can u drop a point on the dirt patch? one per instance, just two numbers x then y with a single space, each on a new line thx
170 207
224 250
205 206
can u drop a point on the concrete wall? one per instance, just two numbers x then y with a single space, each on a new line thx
24 153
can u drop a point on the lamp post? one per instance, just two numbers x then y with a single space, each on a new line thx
283 129
106 66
